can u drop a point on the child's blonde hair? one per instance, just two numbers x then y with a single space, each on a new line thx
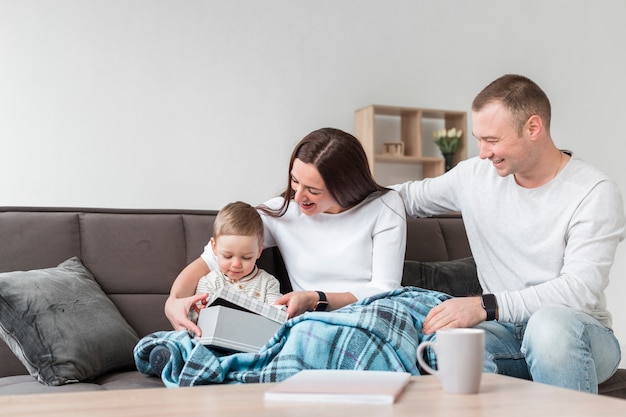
238 219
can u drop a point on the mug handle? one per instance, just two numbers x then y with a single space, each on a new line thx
420 356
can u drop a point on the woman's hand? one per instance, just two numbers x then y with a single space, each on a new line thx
182 300
298 302
177 312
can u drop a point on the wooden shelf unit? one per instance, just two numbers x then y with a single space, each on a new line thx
411 134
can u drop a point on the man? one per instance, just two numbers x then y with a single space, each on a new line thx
543 227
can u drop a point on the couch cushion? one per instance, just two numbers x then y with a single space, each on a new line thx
50 238
614 386
456 277
25 384
61 325
130 254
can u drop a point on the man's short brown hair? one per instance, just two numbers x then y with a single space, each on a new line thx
520 95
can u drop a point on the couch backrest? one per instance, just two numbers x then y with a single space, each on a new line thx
135 255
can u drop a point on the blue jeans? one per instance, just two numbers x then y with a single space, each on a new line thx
557 346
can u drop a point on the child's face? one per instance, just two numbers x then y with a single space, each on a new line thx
236 255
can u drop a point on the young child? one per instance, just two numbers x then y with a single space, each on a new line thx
237 243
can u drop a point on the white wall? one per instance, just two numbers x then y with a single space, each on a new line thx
192 104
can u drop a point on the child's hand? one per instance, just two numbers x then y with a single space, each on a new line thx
200 304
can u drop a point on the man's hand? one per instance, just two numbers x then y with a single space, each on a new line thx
177 312
455 312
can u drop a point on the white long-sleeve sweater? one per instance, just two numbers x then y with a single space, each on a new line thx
553 244
360 250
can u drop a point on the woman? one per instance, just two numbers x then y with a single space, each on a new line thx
342 236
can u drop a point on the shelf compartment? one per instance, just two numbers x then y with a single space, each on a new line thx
411 134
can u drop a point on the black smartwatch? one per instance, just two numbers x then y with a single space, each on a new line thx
490 305
322 304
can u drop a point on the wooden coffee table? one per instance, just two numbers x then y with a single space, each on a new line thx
499 396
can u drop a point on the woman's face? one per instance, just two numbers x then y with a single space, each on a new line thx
310 191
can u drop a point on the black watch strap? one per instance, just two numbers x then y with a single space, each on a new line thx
490 305
322 304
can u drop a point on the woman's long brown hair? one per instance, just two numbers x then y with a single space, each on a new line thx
341 161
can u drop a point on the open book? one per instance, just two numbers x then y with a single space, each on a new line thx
234 321
341 386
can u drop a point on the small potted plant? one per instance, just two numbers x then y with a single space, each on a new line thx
448 142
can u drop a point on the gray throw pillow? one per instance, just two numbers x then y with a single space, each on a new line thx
457 278
61 325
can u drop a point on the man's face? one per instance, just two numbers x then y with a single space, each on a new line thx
498 139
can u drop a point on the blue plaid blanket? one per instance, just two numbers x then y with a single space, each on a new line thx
378 333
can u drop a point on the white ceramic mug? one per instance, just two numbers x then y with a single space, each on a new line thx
459 354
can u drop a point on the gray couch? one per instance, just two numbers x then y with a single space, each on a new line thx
134 255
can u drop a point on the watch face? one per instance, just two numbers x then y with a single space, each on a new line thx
321 306
490 306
